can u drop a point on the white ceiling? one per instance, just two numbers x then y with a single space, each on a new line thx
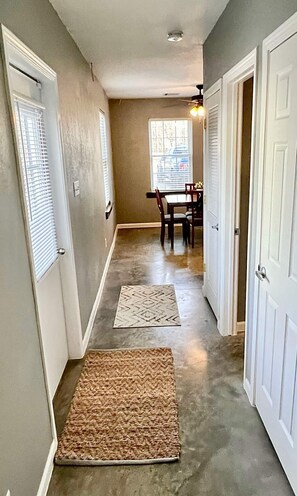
126 40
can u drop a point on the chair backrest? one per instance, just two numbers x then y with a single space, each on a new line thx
190 187
160 204
196 206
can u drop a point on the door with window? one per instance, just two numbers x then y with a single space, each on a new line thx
37 168
211 199
276 391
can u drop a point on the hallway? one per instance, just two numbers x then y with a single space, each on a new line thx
225 449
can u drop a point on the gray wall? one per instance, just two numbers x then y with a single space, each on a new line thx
130 146
243 25
24 418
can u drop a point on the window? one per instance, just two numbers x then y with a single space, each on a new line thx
104 155
171 153
37 184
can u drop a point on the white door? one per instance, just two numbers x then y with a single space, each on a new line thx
211 199
276 383
37 178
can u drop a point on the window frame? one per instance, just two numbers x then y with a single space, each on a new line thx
190 129
109 201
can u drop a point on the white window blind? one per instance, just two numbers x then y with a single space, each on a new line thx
104 155
37 184
170 153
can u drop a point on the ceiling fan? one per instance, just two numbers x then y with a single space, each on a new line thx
196 99
196 102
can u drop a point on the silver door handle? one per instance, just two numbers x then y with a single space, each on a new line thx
215 227
61 251
261 273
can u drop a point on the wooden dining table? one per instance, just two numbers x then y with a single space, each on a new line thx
174 201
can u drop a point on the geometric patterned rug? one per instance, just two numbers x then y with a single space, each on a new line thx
123 411
147 306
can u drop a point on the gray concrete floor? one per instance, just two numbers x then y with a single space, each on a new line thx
225 448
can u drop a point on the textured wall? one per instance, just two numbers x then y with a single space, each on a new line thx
243 25
130 146
24 418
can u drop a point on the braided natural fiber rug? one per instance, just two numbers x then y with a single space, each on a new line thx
123 411
147 306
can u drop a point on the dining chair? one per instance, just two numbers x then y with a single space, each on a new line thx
190 187
166 220
195 213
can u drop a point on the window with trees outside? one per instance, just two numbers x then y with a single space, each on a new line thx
170 153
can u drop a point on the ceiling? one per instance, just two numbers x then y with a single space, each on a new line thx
126 40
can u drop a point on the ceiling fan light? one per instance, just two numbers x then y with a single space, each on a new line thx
201 111
194 111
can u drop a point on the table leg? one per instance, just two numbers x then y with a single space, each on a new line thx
172 226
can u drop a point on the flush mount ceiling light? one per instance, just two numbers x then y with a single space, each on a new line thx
175 36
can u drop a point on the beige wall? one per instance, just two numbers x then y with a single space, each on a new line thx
244 195
130 146
24 416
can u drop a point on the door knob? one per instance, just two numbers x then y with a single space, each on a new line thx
61 251
261 273
215 227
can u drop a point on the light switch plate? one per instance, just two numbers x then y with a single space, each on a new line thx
76 188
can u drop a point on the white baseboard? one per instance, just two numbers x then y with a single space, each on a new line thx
48 469
240 327
139 225
99 295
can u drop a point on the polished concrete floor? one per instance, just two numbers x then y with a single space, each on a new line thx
225 449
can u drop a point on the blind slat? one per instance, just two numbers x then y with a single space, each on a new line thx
104 156
36 173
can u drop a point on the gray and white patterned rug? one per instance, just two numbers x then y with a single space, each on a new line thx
147 306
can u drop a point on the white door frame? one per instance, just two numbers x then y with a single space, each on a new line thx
14 51
209 93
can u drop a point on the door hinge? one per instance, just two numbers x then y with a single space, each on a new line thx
204 267
237 231
204 123
204 199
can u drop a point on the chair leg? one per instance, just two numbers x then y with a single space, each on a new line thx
162 236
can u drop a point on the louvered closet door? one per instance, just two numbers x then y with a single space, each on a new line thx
37 183
211 205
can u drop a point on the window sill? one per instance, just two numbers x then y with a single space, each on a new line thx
108 210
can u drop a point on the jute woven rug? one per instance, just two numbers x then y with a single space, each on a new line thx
124 410
147 306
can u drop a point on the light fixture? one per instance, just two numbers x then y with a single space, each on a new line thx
194 111
198 110
175 36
